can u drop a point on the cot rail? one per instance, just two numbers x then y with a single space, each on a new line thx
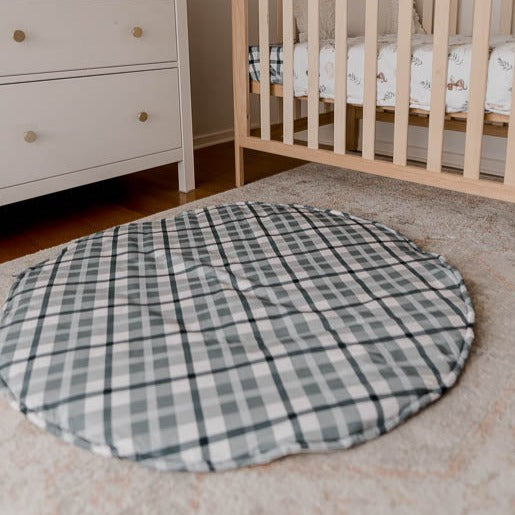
438 85
340 71
440 17
313 72
400 139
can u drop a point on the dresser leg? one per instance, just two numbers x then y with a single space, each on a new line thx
187 165
186 175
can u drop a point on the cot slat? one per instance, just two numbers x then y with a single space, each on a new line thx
370 86
340 102
506 17
509 175
453 27
427 16
279 21
264 75
438 85
477 88
288 96
402 97
313 72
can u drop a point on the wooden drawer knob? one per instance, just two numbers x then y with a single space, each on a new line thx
19 36
143 117
30 137
137 32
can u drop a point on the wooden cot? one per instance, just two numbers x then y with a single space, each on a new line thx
439 17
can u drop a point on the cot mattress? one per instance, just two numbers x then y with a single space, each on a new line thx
500 71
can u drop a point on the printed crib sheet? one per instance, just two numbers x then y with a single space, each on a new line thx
500 72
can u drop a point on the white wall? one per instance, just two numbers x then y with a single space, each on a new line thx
211 76
209 23
466 14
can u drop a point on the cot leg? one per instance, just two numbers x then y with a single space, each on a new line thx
352 128
240 165
240 46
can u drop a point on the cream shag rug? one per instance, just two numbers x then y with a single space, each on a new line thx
458 456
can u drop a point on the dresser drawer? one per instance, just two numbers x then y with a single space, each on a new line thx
51 128
57 35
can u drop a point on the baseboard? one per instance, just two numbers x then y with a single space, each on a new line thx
213 138
489 165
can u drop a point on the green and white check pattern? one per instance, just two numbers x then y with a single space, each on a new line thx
233 335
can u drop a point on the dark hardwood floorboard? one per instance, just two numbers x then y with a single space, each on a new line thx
43 222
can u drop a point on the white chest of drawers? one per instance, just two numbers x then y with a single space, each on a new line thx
92 89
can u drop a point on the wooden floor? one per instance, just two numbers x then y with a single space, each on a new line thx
32 225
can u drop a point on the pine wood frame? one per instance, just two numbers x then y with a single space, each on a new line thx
440 14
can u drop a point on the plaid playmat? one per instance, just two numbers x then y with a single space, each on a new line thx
233 335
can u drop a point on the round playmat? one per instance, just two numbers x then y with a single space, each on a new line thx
233 335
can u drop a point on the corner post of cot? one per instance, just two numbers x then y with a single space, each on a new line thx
240 63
